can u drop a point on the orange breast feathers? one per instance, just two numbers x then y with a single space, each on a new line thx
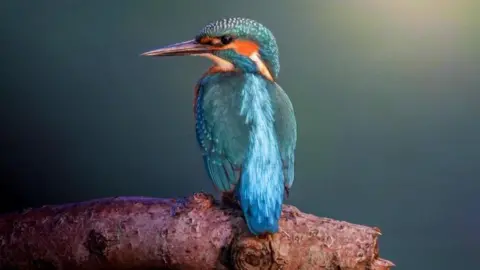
195 98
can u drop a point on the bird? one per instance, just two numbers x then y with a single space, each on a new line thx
245 123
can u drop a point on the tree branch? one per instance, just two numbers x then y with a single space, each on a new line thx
191 233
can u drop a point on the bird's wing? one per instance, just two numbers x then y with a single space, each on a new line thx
221 132
286 128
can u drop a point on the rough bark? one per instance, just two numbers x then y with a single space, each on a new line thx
191 233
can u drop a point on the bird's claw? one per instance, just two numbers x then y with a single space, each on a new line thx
230 201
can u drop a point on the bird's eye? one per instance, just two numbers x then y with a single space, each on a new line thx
226 39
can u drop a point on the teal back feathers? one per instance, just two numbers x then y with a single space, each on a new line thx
247 131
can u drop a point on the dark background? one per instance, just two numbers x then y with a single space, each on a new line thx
386 95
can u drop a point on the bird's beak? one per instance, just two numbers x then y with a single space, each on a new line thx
189 47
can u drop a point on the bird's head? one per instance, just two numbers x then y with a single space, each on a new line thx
232 44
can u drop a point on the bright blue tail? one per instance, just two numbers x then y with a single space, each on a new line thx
261 194
261 187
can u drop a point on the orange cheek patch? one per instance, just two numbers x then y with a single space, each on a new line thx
209 41
245 47
205 40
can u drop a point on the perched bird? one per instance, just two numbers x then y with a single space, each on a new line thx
245 123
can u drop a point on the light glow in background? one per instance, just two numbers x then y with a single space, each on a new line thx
386 95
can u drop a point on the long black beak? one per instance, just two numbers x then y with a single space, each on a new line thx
189 47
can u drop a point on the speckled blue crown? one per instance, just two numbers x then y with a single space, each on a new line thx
247 29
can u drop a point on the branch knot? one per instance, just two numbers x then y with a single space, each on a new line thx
250 253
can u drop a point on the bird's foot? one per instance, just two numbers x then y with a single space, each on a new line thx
266 236
228 199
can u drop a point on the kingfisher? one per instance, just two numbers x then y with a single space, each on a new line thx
245 122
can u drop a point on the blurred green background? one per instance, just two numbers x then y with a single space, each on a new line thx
386 95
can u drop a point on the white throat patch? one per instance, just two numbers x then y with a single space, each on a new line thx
262 68
222 64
